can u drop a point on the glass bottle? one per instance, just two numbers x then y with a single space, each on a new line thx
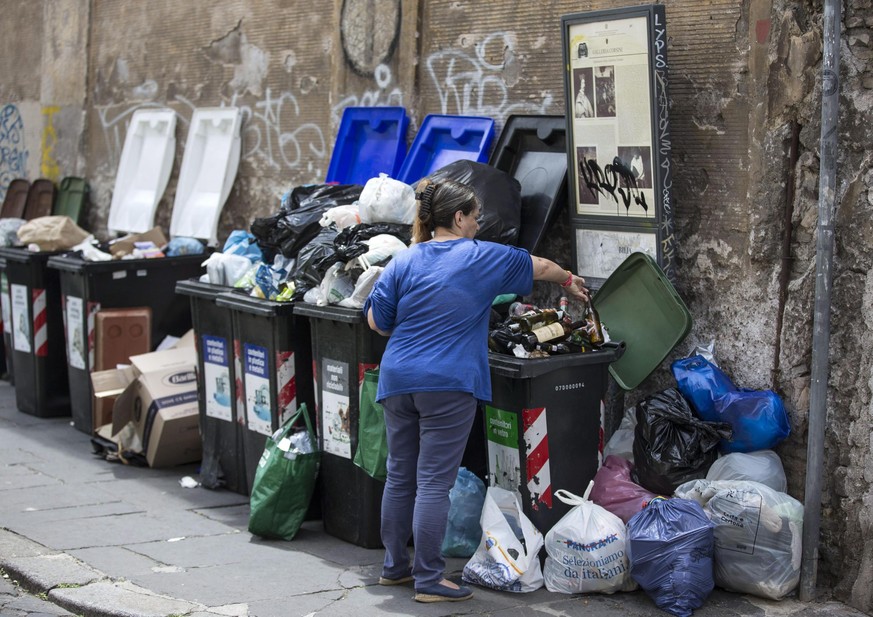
595 333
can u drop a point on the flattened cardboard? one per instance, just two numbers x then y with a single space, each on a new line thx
124 246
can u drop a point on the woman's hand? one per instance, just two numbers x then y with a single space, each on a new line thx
577 288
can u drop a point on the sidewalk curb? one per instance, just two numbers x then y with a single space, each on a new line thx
83 590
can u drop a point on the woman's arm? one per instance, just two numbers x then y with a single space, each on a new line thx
372 323
548 270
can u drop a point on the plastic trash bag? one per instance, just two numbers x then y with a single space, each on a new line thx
184 246
288 232
364 285
622 441
463 531
242 243
587 549
314 260
336 286
507 556
758 535
616 492
381 249
9 231
758 418
670 548
351 242
90 252
701 383
224 269
763 466
671 446
341 217
499 195
385 200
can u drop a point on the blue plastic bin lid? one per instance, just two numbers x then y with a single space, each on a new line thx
533 150
371 140
445 139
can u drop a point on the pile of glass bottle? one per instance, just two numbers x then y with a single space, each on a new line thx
531 332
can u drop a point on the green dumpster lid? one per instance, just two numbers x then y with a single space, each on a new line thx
639 306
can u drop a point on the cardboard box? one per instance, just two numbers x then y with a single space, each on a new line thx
124 246
157 397
119 334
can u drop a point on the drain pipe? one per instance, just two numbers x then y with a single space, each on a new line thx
821 324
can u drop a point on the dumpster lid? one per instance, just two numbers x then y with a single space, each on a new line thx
255 306
72 197
197 289
370 141
640 307
143 171
22 255
533 150
15 199
334 313
527 368
209 166
445 139
73 263
40 199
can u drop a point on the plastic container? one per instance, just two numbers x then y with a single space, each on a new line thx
40 199
343 347
273 355
72 198
544 427
87 287
370 141
533 150
445 139
15 199
36 334
638 305
219 384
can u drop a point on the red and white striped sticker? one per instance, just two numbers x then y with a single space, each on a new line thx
240 395
286 384
93 309
536 439
40 323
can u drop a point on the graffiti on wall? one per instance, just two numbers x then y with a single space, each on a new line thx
386 93
13 153
48 167
472 85
269 134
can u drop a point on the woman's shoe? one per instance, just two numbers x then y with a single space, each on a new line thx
388 582
441 593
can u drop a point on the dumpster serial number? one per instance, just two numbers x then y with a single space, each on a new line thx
569 386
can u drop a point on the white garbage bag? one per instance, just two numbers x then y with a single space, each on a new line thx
587 549
758 533
507 558
385 200
762 466
622 441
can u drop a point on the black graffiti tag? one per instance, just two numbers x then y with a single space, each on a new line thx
616 179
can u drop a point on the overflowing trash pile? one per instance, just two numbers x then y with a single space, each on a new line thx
690 496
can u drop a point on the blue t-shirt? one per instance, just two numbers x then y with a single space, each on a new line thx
435 299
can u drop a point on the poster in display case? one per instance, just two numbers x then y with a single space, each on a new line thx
618 128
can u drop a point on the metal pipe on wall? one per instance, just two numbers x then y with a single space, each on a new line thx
821 324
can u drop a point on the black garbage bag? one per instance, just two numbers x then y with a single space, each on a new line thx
313 261
349 243
290 230
671 445
498 192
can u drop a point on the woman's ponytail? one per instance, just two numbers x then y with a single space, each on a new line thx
423 227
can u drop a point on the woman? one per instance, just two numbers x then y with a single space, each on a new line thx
434 301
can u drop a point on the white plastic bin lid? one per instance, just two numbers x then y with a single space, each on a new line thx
209 167
144 170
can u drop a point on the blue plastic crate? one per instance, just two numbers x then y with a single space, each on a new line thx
445 139
371 140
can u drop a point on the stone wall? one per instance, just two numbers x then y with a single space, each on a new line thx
745 128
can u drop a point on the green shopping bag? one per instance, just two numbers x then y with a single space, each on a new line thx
285 480
372 453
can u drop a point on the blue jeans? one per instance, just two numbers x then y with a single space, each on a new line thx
427 433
